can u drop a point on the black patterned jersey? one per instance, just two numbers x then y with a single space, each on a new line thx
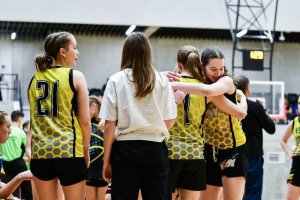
96 144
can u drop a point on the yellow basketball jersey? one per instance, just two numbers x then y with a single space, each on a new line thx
53 108
296 134
222 130
186 140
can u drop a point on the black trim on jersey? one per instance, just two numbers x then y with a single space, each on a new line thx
232 132
186 107
29 85
74 100
185 76
203 116
55 67
293 124
73 108
232 98
71 80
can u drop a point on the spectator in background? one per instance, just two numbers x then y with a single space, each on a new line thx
255 121
293 104
96 92
13 152
288 110
26 126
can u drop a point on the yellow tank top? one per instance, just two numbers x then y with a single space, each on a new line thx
296 134
222 130
186 141
53 115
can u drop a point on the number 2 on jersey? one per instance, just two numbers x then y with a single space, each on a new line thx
46 93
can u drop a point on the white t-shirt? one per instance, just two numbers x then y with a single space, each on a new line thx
138 118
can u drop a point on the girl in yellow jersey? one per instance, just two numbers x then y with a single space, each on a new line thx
186 143
293 128
224 150
60 125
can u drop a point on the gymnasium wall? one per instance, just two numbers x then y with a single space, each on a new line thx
100 57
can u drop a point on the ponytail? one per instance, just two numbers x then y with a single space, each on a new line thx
43 62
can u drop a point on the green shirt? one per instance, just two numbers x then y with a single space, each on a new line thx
11 149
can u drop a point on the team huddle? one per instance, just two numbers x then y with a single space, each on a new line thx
166 135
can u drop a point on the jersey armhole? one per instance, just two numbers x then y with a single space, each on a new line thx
29 87
294 123
71 82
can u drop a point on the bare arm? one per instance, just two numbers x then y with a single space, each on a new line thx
83 111
222 86
170 123
179 97
237 110
7 189
283 142
109 137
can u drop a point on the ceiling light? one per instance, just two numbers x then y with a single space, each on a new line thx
13 36
130 29
281 37
242 33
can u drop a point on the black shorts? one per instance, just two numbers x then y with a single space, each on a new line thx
94 175
294 176
225 162
188 174
96 182
68 170
213 169
95 170
138 164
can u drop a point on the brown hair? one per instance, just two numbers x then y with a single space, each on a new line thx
137 56
2 117
53 43
189 57
241 83
210 53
